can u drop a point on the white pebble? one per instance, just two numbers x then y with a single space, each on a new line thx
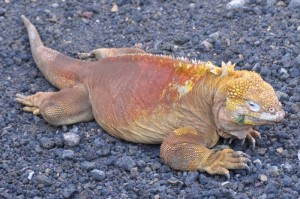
71 139
30 175
236 4
263 177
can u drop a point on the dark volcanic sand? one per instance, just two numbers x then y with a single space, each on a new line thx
261 35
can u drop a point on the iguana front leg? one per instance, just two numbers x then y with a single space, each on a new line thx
101 53
185 150
68 106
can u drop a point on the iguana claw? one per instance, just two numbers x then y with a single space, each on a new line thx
243 141
227 176
251 135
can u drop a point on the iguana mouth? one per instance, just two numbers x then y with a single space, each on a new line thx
260 120
264 118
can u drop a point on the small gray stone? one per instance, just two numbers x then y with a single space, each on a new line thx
262 151
54 5
42 179
180 40
74 129
295 72
263 196
256 67
126 163
265 71
298 186
294 4
98 174
2 11
105 151
283 71
68 154
141 163
271 2
271 188
134 172
88 165
280 4
273 171
206 46
71 139
287 181
257 162
214 35
295 98
203 179
257 43
294 82
69 191
295 108
263 178
47 143
287 167
282 96
191 178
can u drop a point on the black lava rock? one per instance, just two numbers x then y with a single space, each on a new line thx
126 163
98 175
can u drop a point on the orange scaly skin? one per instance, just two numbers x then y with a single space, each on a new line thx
143 98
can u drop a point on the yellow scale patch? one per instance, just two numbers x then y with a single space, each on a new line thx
187 74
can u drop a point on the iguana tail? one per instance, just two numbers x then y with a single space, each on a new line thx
34 37
60 70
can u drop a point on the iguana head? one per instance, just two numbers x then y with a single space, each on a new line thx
251 100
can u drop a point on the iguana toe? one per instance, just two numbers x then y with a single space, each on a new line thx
226 159
22 99
251 136
34 110
28 102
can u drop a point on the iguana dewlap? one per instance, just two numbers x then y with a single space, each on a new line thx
143 98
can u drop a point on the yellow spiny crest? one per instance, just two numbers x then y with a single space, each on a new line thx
226 69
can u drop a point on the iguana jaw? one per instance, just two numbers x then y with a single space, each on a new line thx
260 119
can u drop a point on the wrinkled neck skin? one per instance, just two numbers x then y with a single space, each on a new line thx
208 101
223 117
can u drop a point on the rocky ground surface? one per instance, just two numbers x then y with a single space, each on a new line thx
38 160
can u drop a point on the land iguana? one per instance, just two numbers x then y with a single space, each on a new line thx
144 98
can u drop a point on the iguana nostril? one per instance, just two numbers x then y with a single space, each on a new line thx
280 116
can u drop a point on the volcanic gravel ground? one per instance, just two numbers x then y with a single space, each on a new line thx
38 160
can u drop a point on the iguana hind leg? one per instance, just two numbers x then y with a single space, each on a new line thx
101 53
185 150
68 106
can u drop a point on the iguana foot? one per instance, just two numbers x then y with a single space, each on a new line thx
85 55
101 53
219 162
251 136
67 106
28 102
185 149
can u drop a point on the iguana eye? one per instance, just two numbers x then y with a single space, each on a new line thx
271 109
252 105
